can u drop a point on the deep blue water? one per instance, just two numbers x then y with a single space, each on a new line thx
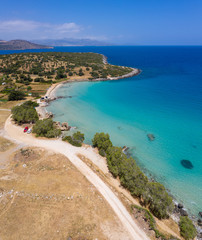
165 99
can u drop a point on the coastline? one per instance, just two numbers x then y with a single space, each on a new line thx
51 94
52 89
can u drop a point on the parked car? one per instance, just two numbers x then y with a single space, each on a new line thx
29 130
25 129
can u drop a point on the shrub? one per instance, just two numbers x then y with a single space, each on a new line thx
53 133
158 200
76 140
187 229
152 223
102 142
44 128
16 95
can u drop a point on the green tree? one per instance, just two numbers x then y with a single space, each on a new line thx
187 229
102 142
29 88
25 113
76 139
158 200
16 95
44 128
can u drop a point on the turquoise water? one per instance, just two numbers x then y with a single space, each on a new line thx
165 99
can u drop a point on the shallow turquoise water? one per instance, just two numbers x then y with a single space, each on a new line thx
165 99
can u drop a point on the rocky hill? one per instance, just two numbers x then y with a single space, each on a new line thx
20 45
71 42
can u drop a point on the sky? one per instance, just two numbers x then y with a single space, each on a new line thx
121 22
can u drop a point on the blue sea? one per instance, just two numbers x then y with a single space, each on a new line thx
165 100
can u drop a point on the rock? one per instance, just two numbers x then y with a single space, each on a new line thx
200 214
186 164
124 149
57 123
180 205
49 115
183 212
151 137
65 126
200 222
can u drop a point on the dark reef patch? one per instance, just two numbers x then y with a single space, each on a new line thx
187 164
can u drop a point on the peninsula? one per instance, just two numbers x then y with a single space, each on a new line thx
33 73
20 45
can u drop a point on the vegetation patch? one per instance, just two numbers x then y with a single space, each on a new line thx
20 73
45 128
187 229
25 113
16 95
151 222
76 139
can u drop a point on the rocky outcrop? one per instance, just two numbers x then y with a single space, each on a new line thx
48 115
199 222
151 137
187 164
62 126
180 206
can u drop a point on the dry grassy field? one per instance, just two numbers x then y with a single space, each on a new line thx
43 196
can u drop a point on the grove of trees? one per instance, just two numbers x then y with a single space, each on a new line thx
152 194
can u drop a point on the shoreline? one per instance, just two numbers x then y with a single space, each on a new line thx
52 89
175 216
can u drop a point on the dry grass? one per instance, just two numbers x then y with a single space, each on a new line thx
45 197
3 116
5 144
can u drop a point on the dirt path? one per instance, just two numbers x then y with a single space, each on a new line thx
15 133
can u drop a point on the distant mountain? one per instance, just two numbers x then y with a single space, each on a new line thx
71 42
20 45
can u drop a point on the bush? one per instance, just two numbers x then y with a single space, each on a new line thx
25 113
53 133
187 229
16 95
76 140
102 142
152 223
44 128
158 200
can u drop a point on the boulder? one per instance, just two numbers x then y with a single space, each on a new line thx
200 222
200 214
183 212
65 126
180 205
151 137
49 115
186 164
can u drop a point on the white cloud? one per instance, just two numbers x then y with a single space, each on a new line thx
17 26
32 30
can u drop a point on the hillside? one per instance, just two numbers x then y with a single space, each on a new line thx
36 71
71 42
20 45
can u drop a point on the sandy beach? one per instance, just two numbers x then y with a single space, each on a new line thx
53 88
